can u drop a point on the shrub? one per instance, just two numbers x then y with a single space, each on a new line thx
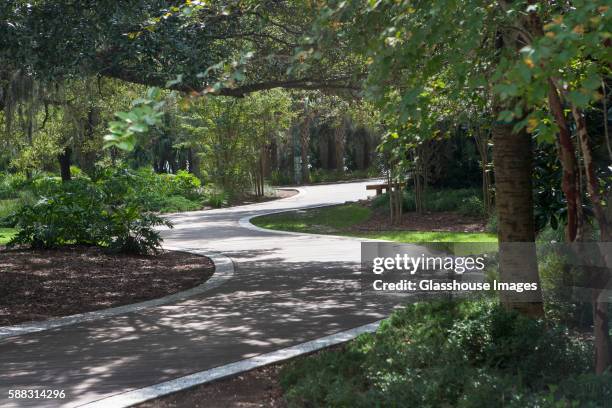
11 184
471 206
68 214
492 224
132 231
8 208
106 213
186 184
443 353
436 200
216 197
280 178
178 203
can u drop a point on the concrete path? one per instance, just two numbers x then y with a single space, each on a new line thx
286 289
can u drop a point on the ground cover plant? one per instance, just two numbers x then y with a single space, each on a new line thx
453 353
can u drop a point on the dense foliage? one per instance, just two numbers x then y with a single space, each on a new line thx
452 353
107 212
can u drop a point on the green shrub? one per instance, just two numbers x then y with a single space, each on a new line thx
179 203
442 353
558 278
216 197
437 200
69 214
11 184
8 208
492 224
130 230
280 178
106 213
186 184
471 206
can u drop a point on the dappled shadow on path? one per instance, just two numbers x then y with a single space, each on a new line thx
269 304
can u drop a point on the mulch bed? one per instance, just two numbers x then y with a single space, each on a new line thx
431 221
39 284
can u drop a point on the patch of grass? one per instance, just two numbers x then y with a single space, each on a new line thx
316 221
337 220
430 236
6 234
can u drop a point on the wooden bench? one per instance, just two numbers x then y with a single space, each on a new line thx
378 187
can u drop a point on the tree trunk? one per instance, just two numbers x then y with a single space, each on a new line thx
603 345
512 157
567 157
64 162
482 145
339 136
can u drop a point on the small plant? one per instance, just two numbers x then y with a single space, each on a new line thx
217 198
471 206
179 203
11 184
492 224
132 231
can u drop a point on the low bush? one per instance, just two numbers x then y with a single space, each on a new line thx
8 208
131 230
439 200
492 224
11 184
106 213
442 353
177 203
216 197
471 206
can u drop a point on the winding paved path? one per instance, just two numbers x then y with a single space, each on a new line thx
286 289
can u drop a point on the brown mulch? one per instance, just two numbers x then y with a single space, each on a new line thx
39 284
255 388
431 221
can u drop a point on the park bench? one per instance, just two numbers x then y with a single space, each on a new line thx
378 187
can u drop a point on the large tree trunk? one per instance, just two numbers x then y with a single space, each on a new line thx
512 157
64 161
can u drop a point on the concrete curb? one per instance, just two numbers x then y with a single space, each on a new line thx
224 270
140 395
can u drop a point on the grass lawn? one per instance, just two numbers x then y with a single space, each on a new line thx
430 236
316 221
337 220
6 234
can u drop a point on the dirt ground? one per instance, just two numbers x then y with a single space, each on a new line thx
39 284
431 221
279 194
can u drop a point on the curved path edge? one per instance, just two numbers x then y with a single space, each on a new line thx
224 270
140 395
